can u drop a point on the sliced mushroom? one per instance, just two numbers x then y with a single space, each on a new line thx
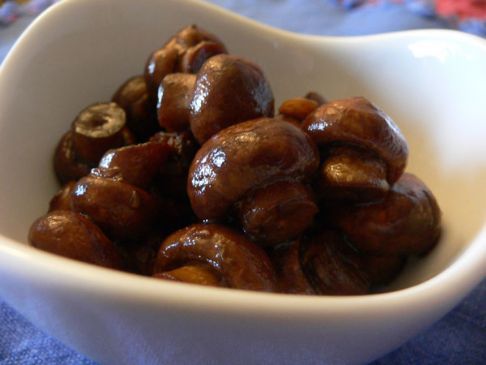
320 264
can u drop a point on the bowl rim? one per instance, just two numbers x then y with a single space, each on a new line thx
464 273
467 270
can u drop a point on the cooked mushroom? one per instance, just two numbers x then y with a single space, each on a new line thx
173 101
133 97
121 210
217 255
321 264
185 52
235 163
228 90
95 130
350 124
75 236
407 222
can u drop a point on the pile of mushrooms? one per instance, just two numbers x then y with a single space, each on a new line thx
187 174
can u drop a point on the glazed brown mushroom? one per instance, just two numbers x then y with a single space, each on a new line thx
185 52
173 101
351 174
331 266
220 253
62 199
222 183
356 123
182 149
204 103
298 108
288 268
322 264
121 210
171 180
75 236
318 98
228 90
407 222
137 164
140 253
133 97
249 156
277 212
66 164
95 130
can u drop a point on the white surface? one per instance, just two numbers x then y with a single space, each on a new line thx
431 82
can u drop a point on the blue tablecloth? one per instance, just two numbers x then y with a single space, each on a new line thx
459 338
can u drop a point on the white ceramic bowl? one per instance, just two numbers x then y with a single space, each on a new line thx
431 82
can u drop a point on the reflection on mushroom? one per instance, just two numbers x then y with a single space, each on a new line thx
95 130
133 97
173 101
185 52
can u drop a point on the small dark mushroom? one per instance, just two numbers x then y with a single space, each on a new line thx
62 199
74 236
240 160
356 123
407 222
121 210
228 90
323 264
228 258
133 97
185 52
174 97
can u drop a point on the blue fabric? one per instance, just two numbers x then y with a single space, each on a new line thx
459 338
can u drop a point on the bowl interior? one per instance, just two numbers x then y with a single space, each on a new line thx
431 83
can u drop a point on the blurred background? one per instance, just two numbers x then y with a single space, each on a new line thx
321 17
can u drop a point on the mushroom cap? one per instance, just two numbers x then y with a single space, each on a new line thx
356 121
74 235
245 156
407 222
228 90
239 262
